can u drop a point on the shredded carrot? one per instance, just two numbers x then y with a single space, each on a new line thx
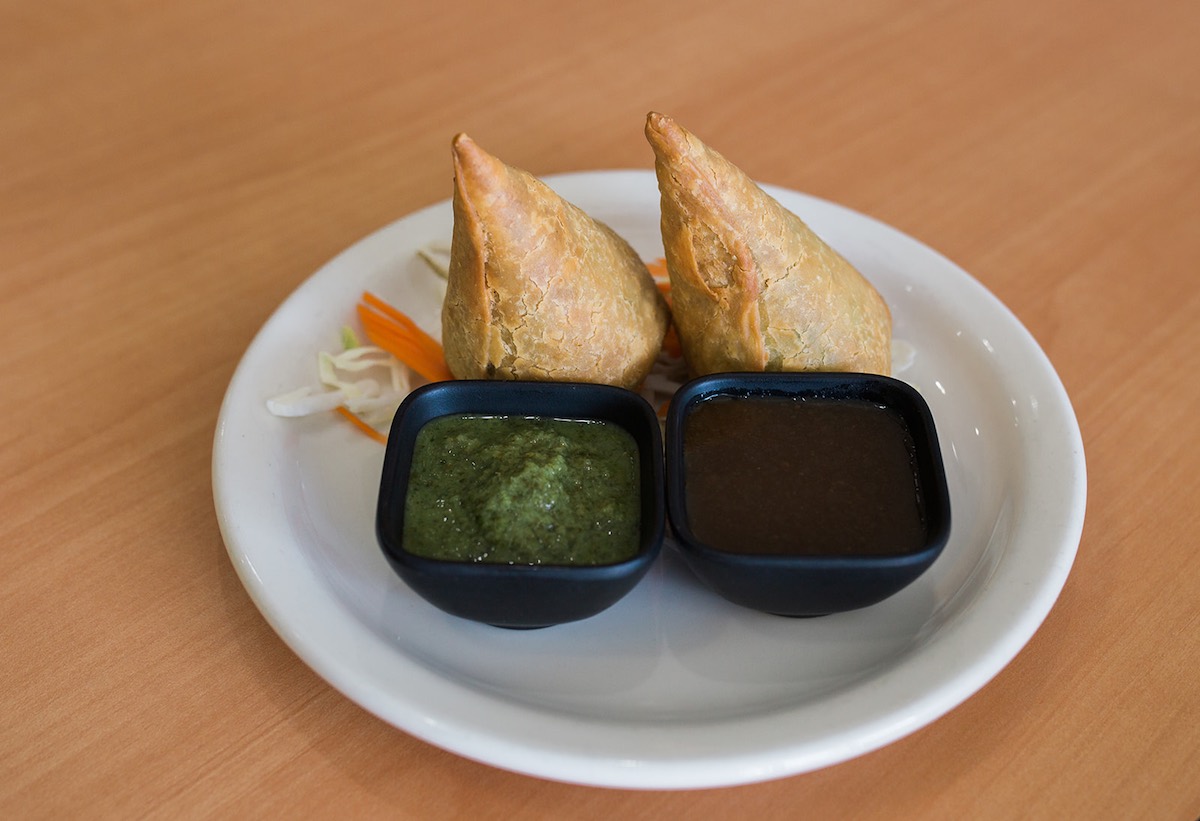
361 425
671 342
397 334
397 342
399 317
658 270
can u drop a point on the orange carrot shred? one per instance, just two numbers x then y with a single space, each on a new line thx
658 270
397 334
400 321
671 342
361 425
420 361
390 312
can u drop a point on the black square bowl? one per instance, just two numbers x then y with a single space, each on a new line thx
520 595
828 530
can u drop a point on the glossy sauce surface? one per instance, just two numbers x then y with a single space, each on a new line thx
804 476
523 490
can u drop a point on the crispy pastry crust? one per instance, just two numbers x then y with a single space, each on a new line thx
539 290
752 287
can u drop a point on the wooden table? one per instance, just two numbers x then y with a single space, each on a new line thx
170 172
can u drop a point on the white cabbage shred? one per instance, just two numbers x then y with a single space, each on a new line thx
368 381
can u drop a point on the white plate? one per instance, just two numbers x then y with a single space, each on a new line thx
672 687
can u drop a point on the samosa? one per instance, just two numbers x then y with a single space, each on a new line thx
538 289
752 287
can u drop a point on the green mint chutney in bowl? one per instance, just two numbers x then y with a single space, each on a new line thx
523 490
522 504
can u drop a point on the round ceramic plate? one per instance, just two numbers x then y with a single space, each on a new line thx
672 687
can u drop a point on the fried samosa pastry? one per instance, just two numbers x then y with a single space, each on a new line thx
539 290
752 287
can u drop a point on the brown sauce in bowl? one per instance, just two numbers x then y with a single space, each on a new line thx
801 476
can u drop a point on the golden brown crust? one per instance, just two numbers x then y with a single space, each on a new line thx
752 287
539 290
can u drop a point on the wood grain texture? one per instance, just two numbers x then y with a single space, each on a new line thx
170 172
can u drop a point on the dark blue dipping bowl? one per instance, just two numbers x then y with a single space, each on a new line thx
810 583
520 596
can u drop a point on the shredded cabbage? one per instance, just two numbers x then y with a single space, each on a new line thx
367 380
437 257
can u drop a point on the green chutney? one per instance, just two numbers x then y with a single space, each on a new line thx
523 490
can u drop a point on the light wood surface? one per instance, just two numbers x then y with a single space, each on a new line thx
169 172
